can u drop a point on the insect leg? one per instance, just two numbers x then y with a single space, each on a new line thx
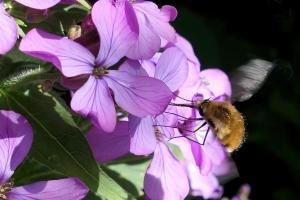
206 135
181 136
197 129
185 118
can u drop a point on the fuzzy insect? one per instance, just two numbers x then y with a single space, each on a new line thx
223 118
225 121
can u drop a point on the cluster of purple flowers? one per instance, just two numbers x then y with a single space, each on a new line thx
136 66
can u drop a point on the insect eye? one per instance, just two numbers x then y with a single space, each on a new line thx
201 111
206 101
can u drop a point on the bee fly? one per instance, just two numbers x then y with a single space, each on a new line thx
226 122
223 119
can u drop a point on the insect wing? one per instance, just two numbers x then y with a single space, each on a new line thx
248 78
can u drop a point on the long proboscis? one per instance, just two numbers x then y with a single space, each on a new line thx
182 105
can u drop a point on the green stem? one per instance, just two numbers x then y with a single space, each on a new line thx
84 3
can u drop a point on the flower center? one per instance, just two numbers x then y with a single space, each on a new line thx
4 189
99 71
157 134
131 1
204 81
8 6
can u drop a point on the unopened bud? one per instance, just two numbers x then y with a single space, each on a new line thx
74 32
36 16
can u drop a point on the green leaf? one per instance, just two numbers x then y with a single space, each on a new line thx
58 143
25 73
130 176
176 151
85 4
32 171
109 189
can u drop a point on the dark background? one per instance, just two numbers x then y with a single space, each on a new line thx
227 34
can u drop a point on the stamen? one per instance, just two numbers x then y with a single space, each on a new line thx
204 80
99 71
157 134
4 189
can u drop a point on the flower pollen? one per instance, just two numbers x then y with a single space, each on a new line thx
99 71
4 189
204 81
157 134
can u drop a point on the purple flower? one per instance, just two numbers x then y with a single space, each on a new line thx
42 4
8 26
202 161
192 82
172 69
216 86
15 141
153 24
202 184
107 147
117 28
8 30
165 178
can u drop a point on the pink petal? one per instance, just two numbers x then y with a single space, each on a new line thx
8 31
133 67
211 154
149 66
202 160
226 170
216 82
69 57
169 11
168 118
143 141
38 4
15 142
158 19
188 91
118 29
214 149
206 186
35 16
193 80
165 178
201 185
107 147
138 95
172 68
63 189
185 46
74 83
94 100
148 41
